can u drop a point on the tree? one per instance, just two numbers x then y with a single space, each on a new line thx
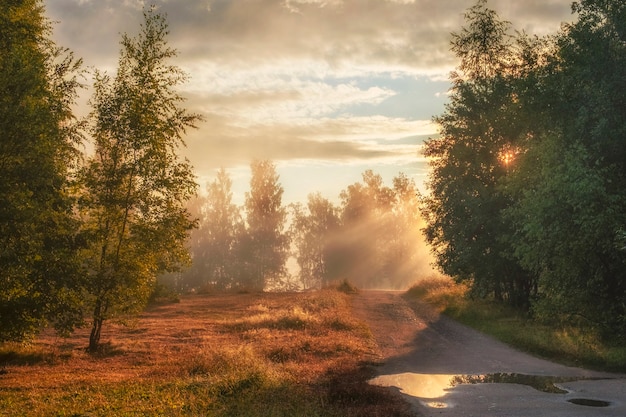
481 131
379 244
359 249
312 232
213 247
567 235
39 269
483 45
407 253
570 190
266 241
135 186
527 189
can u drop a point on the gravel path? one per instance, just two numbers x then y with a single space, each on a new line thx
422 352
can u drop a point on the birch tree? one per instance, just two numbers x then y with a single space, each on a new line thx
136 186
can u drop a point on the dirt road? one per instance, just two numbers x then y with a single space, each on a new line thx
447 369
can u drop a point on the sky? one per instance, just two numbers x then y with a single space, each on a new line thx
326 89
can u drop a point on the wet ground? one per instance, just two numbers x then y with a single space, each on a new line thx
447 369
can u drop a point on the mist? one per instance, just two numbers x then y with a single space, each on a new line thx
372 238
383 248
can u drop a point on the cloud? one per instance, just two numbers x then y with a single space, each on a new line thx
376 35
330 81
221 143
336 38
256 94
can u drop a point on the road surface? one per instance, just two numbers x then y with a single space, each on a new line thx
447 369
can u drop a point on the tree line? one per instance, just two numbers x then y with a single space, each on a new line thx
527 189
371 238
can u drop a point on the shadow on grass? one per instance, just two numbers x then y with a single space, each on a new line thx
340 393
348 391
22 356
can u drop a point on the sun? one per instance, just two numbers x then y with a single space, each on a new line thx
507 156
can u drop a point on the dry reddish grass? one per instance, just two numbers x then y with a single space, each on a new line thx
301 346
148 346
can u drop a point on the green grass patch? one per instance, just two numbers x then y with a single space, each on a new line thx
251 396
566 344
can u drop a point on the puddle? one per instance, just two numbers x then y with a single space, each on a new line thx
417 385
589 403
431 388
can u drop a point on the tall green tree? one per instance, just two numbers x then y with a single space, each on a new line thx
527 190
569 209
136 186
39 269
481 133
567 233
267 242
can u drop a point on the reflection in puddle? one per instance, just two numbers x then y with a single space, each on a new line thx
417 385
430 388
538 382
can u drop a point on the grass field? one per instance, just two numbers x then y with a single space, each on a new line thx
566 344
208 355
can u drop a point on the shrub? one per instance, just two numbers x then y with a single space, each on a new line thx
162 294
347 287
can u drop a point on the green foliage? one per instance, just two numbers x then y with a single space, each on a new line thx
483 45
482 131
527 186
135 186
567 197
570 188
39 269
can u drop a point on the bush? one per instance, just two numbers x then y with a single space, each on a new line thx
441 292
163 294
347 288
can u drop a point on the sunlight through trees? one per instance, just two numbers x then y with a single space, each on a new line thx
525 199
526 195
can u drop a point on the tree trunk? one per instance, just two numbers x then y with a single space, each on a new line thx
96 328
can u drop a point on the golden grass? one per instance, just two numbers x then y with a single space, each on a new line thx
208 355
441 292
